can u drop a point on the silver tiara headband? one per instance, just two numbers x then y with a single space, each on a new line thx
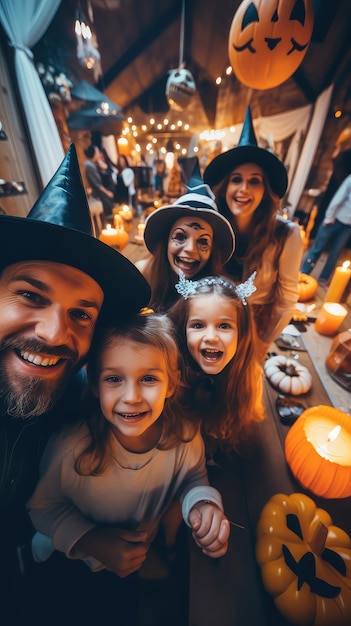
188 288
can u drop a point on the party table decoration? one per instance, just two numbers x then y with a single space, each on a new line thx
287 375
118 221
116 237
338 361
109 235
338 283
318 451
139 237
330 318
127 216
305 561
288 409
307 287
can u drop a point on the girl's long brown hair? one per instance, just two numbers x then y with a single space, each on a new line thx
154 330
236 400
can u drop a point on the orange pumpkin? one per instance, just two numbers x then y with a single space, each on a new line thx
122 238
305 561
268 40
307 287
318 451
115 237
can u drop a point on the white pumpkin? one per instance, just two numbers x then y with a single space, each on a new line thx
289 376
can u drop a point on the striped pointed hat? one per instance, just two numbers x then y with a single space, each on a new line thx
198 201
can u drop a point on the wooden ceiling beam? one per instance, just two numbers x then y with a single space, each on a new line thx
304 85
136 49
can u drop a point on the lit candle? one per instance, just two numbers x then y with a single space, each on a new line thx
330 441
127 216
139 237
338 283
118 221
109 235
330 318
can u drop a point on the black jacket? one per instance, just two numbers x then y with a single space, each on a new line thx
21 445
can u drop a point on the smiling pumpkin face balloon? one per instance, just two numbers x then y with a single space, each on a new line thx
268 40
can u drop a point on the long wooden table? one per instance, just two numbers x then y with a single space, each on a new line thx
229 591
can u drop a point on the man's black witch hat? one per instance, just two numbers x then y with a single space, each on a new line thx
58 228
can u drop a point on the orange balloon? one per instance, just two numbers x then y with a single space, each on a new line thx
268 40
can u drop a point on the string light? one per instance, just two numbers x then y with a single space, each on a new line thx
156 134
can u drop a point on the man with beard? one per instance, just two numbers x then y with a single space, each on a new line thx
56 279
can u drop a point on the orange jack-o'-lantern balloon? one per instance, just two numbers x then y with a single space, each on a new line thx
268 40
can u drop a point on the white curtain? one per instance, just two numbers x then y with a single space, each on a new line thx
303 126
310 145
25 22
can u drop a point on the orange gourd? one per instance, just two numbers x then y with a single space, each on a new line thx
325 477
307 286
305 561
268 40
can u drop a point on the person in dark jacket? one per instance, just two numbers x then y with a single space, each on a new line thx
56 280
100 180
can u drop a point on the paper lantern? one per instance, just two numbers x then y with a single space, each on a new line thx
307 286
268 40
318 451
305 561
180 88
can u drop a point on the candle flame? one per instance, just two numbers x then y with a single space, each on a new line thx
334 433
108 226
346 264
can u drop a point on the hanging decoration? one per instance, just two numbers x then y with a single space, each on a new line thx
87 47
268 40
180 86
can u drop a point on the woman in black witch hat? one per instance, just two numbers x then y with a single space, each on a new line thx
248 182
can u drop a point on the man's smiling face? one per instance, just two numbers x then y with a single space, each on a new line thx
48 313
